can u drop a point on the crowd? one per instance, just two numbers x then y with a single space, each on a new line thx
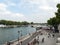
43 38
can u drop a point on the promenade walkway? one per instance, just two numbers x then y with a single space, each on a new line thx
47 41
19 42
25 40
16 42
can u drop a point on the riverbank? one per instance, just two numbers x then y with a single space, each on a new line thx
9 34
47 40
26 39
14 42
12 26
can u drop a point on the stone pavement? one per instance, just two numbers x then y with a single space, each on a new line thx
21 39
25 40
47 41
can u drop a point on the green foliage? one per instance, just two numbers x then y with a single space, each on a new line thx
55 20
5 22
58 6
57 15
24 23
32 23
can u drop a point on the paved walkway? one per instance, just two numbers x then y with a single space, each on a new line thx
25 40
15 42
47 41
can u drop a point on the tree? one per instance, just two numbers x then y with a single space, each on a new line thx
32 23
24 23
6 22
55 21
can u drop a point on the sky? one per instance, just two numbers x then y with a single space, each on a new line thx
38 11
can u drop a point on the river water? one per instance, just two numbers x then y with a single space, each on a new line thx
8 34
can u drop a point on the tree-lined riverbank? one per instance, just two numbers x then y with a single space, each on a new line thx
8 22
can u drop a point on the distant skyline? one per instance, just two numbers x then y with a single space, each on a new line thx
38 11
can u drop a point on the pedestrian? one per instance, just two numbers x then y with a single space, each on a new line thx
21 42
38 37
41 34
8 43
38 40
48 36
42 40
28 44
53 35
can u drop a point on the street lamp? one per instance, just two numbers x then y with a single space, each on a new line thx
18 36
21 33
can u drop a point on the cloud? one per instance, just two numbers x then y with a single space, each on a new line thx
31 10
34 1
42 4
40 17
12 4
3 6
12 16
46 8
8 15
41 10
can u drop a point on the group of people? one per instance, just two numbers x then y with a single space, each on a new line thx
43 38
51 35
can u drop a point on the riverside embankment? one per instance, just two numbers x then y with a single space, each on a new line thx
9 34
26 39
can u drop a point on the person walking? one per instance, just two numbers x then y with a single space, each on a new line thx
49 35
53 35
42 40
8 43
28 44
21 43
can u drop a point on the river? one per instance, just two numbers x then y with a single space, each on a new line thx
8 34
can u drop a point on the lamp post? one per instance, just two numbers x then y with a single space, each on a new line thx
18 36
21 36
29 32
21 33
